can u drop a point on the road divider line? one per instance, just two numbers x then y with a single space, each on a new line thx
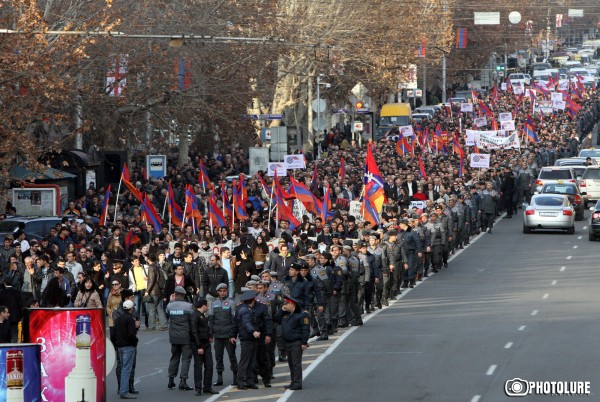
553 283
584 228
579 237
546 296
522 327
569 257
491 369
562 269
534 312
508 345
575 246
476 398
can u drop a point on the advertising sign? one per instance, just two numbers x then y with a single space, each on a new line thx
20 377
294 162
73 353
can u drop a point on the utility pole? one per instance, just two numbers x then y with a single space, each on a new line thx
424 82
443 77
311 136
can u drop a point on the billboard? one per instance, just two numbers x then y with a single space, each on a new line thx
73 353
20 376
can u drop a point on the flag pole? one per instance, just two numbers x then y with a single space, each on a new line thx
184 211
165 206
271 201
117 202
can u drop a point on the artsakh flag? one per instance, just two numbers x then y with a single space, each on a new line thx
461 38
368 210
104 208
174 210
372 175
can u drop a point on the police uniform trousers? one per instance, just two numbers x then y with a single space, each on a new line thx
294 354
222 344
437 257
321 318
247 364
352 309
279 339
425 263
361 295
487 220
383 288
332 311
263 362
409 275
183 352
343 305
395 279
203 361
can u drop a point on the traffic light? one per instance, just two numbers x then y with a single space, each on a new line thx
500 68
359 105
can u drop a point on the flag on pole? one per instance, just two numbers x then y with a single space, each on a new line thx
422 49
283 211
313 181
174 210
150 214
182 71
126 181
461 38
422 169
342 171
131 239
239 203
483 107
104 208
304 195
192 211
530 130
242 187
325 204
373 178
228 211
215 215
369 212
203 177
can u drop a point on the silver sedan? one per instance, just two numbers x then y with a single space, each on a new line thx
549 211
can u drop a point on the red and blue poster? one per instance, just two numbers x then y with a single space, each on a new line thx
73 353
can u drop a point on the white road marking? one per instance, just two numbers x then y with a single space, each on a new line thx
534 312
508 345
546 296
158 371
584 228
491 369
553 283
569 257
562 269
476 398
575 246
579 237
522 327
152 341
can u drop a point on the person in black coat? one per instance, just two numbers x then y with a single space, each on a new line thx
247 330
508 191
295 329
11 298
201 348
179 278
296 286
5 335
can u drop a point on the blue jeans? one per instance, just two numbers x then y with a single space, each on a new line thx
126 354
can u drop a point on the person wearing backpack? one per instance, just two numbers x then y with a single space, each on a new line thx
157 279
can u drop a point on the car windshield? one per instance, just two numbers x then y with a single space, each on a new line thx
8 226
591 174
555 174
592 153
559 189
549 201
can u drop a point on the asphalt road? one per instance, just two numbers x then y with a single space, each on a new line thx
510 306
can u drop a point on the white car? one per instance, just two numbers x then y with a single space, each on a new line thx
519 79
549 211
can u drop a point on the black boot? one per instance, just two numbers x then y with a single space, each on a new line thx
234 382
183 386
219 379
171 383
323 337
132 389
329 330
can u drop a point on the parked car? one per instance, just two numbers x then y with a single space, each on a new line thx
590 183
36 227
553 173
594 225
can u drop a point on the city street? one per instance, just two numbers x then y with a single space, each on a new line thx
510 305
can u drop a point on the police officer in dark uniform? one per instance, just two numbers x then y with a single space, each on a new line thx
412 248
245 327
315 295
295 285
392 258
320 277
201 348
220 321
295 326
264 324
336 278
